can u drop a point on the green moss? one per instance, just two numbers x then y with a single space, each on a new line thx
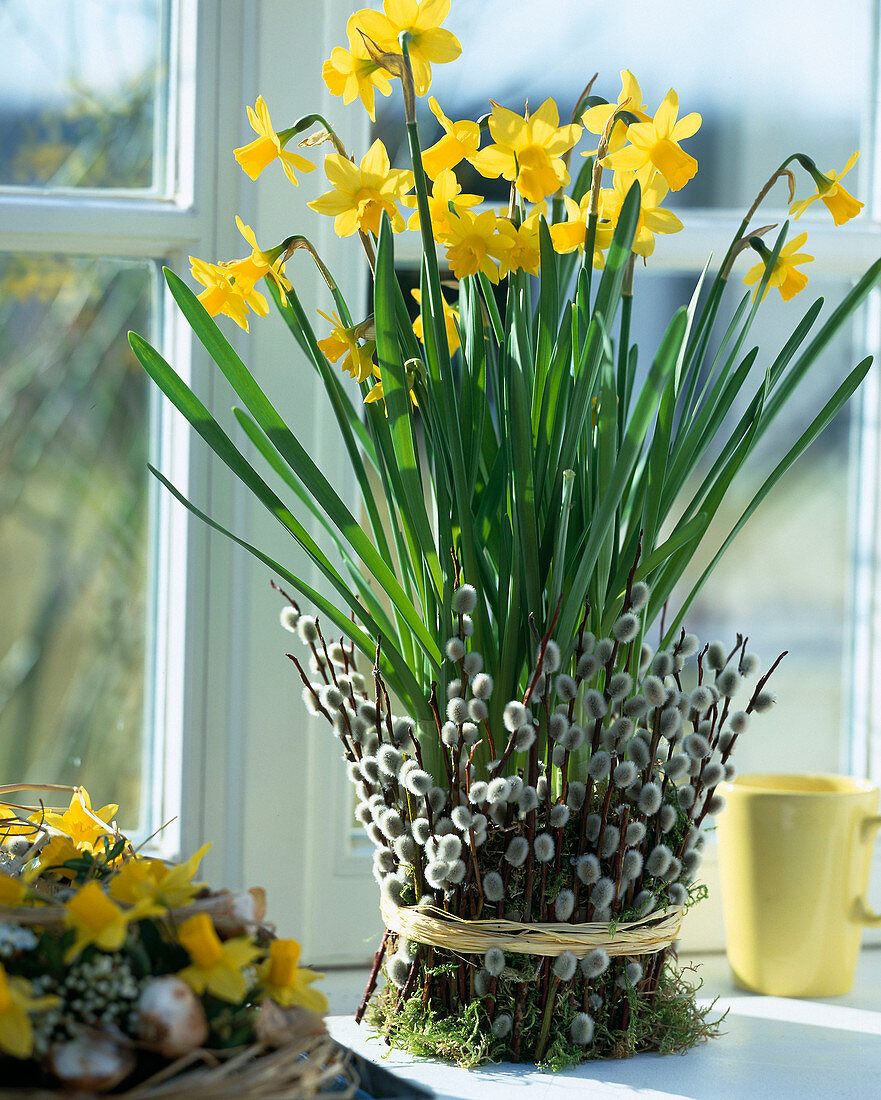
627 1022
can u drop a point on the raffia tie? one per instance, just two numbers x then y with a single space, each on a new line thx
429 925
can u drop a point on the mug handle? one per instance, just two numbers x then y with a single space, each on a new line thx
864 912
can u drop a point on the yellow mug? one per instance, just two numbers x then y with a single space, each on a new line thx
794 855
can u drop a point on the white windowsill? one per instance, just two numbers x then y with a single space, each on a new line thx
770 1046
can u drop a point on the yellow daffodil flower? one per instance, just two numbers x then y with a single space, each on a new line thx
460 140
477 242
595 118
97 920
451 315
268 147
377 393
838 201
286 982
652 219
785 277
16 1002
572 234
444 190
58 851
259 264
170 885
361 194
358 362
12 890
222 295
656 144
429 42
216 965
525 254
81 823
352 72
527 151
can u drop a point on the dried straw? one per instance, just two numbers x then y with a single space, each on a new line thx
427 924
294 1072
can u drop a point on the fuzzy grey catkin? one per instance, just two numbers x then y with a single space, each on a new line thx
749 664
697 746
716 656
633 973
517 851
398 970
494 961
482 981
634 834
728 681
609 844
482 686
592 826
676 766
587 867
469 734
716 804
541 787
462 818
472 663
739 721
639 595
730 772
456 872
289 618
478 711
587 667
449 847
599 764
450 733
649 800
713 773
497 790
638 752
454 648
624 774
564 966
654 691
389 759
595 706
331 697
443 826
645 902
418 782
574 739
581 1029
564 904
551 659
436 874
566 687
364 814
635 707
558 724
527 800
595 963
464 599
515 715
666 818
631 865
602 893
544 848
493 887
393 889
701 699
670 722
662 664
619 685
420 830
603 650
685 797
477 792
384 860
457 711
454 689
501 1025
677 894
575 795
524 738
658 861
405 849
559 815
437 799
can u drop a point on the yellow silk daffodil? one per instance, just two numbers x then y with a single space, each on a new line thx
216 965
286 982
527 151
784 276
97 920
269 146
572 234
81 823
444 190
838 201
451 316
223 295
352 72
362 193
16 1002
477 242
429 42
655 144
170 885
652 219
525 254
460 140
595 118
358 361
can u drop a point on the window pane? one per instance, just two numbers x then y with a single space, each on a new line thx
82 87
760 75
73 451
784 581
